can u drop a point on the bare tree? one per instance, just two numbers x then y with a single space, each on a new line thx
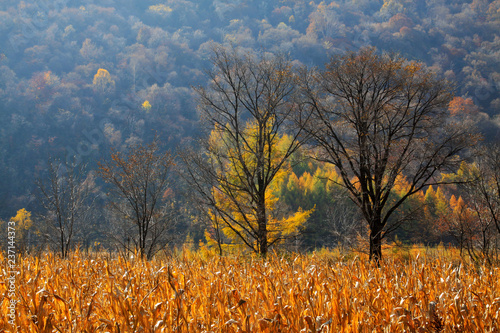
247 106
67 196
486 185
139 185
376 117
477 221
343 225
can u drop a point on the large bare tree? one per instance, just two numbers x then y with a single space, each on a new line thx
139 182
377 117
246 107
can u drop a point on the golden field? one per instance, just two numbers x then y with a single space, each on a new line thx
292 293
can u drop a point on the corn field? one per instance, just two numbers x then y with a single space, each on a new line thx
281 294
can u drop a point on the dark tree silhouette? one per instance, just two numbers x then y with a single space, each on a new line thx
378 117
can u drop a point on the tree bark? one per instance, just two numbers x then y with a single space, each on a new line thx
262 223
376 240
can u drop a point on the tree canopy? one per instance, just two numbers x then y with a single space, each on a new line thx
376 117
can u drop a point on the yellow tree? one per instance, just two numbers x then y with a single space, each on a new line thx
436 202
237 210
103 83
146 106
23 223
247 106
160 9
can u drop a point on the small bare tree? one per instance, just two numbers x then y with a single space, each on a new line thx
476 220
67 196
486 187
138 195
343 226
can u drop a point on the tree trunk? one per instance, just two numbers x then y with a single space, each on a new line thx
376 240
141 247
142 238
262 224
219 238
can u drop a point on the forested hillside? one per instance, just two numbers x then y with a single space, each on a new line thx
78 78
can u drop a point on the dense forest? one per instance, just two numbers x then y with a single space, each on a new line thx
82 79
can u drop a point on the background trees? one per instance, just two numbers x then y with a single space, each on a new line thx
246 106
474 219
50 53
139 196
376 118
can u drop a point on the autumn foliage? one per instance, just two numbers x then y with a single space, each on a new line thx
103 83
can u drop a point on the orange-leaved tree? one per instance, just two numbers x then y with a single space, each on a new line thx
475 222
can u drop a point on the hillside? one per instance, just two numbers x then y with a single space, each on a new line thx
80 77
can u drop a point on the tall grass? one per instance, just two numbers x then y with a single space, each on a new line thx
296 293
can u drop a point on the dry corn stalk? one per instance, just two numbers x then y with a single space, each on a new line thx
298 294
